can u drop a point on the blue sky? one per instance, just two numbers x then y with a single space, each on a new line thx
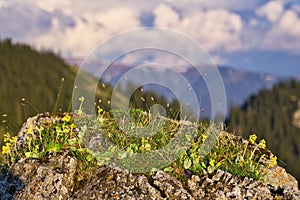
254 35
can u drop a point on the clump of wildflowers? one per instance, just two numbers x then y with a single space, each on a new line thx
40 139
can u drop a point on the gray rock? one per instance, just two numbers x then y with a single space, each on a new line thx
223 185
52 179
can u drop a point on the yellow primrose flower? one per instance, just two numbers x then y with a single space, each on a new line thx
263 143
273 160
100 110
39 128
36 149
30 129
66 118
14 139
144 140
6 137
252 138
66 129
72 126
5 149
147 147
204 137
263 157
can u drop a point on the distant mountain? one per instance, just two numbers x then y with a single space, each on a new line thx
239 85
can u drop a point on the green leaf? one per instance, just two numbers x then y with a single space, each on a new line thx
210 169
31 155
53 147
82 132
168 169
73 149
198 166
187 163
122 155
72 141
89 158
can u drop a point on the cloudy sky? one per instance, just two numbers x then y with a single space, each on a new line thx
256 35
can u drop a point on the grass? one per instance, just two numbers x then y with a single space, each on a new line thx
76 132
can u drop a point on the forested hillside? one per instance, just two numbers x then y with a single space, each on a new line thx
33 82
36 77
272 114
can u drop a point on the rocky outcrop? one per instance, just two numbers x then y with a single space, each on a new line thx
54 178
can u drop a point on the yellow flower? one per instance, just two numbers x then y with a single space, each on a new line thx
66 118
273 160
36 149
72 126
263 157
66 129
30 129
39 128
263 143
212 162
5 149
100 110
147 147
144 140
252 138
204 137
14 139
6 137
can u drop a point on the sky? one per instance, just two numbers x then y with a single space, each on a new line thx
253 35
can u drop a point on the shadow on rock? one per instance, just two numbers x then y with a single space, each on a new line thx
9 184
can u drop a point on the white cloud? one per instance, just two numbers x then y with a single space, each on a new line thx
272 10
214 29
88 32
165 16
284 31
75 27
290 23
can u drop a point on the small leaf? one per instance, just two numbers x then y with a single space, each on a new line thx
196 161
31 155
168 169
187 163
89 158
122 155
73 149
147 147
28 154
210 169
53 147
198 166
72 141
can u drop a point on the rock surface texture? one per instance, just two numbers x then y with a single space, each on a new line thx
54 179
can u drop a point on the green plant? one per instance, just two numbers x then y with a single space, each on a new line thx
231 154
